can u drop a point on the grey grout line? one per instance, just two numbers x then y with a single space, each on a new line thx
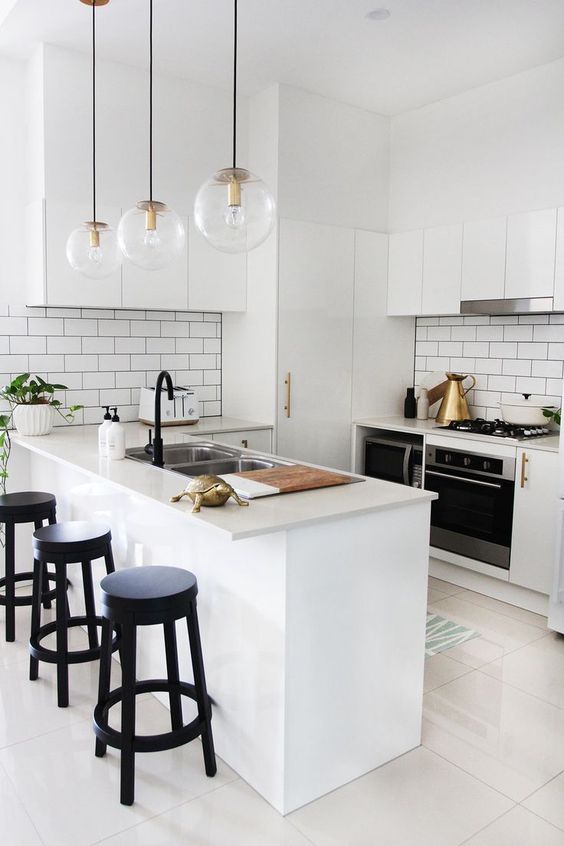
485 827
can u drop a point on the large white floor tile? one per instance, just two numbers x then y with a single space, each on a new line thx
73 797
445 588
418 799
537 668
518 828
504 608
498 634
548 802
16 828
440 669
234 815
434 595
506 738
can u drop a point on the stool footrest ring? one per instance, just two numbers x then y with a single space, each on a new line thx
77 656
26 600
153 742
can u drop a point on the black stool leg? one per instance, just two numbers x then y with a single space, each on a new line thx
173 675
128 657
38 524
109 559
105 675
10 583
37 592
90 603
62 637
204 707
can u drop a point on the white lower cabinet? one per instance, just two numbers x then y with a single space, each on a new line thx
534 519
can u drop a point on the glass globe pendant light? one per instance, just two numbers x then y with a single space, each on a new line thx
92 249
151 235
234 210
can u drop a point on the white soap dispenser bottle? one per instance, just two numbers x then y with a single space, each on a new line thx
103 433
116 438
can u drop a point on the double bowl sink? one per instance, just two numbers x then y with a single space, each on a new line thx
205 459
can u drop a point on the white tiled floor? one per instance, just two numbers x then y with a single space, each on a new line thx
490 771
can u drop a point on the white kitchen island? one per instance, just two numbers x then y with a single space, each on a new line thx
312 607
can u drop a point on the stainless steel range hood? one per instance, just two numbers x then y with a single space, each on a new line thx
516 306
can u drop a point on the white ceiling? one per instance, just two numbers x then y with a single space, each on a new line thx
426 50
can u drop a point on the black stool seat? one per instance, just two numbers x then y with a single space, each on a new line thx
23 507
71 539
62 544
143 596
149 589
26 505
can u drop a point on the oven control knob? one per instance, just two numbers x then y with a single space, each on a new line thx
486 465
467 461
448 458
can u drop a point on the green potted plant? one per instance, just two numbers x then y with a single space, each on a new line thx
33 404
553 415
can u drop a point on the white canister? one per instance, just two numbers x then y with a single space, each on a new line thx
423 405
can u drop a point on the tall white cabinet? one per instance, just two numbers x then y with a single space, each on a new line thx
315 336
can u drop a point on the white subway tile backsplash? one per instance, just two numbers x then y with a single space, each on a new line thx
82 397
434 333
81 362
146 328
141 362
212 317
161 315
99 380
115 396
175 329
548 369
28 344
508 354
190 345
98 345
161 345
530 385
174 361
14 364
213 345
71 380
63 312
517 367
117 362
489 333
131 379
13 325
124 314
99 313
4 345
62 344
80 326
131 345
46 362
203 362
113 327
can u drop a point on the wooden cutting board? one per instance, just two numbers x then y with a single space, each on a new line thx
296 477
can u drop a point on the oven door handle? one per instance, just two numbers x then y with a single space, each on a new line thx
462 479
406 459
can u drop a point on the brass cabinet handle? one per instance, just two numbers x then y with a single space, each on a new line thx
524 462
288 383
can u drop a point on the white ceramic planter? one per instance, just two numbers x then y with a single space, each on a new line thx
32 420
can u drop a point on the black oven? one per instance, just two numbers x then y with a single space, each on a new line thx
393 459
473 515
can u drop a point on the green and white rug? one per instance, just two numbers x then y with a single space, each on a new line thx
444 634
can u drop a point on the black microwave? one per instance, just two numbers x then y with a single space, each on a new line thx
394 459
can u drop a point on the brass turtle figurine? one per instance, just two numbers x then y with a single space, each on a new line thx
208 490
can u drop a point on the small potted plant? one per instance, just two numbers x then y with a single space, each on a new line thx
33 404
553 415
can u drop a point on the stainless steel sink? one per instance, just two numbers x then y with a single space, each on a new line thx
220 468
184 453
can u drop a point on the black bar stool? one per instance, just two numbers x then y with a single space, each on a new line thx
23 507
62 544
145 596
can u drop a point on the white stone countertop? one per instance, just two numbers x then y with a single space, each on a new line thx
77 446
211 426
549 443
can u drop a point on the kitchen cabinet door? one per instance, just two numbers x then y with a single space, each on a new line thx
442 269
316 276
483 259
216 281
530 261
157 289
63 286
405 273
534 519
559 270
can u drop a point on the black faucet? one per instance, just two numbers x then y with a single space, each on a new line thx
164 376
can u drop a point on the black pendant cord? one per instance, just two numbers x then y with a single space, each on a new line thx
151 101
93 111
235 85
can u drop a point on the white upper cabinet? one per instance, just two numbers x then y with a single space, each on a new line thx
217 281
483 259
51 280
405 272
559 270
167 288
531 246
442 268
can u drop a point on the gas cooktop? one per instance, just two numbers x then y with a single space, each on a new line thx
497 429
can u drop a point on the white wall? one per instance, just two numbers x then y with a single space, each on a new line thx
490 151
12 177
333 162
192 132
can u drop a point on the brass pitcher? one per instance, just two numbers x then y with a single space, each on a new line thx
454 405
